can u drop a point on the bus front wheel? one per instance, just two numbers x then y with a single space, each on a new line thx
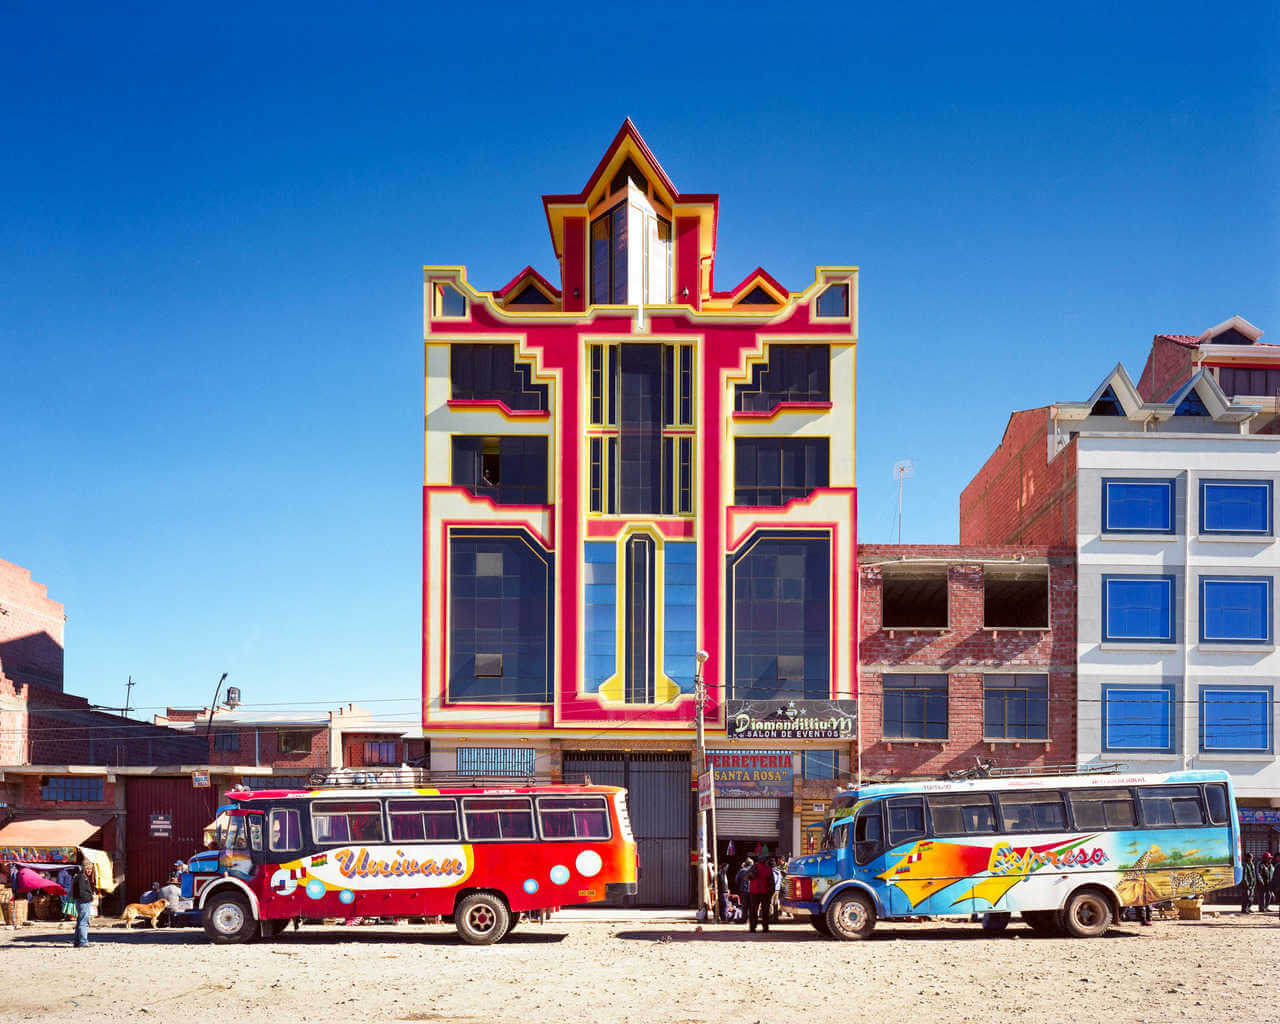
994 921
1087 914
482 919
820 924
851 917
228 919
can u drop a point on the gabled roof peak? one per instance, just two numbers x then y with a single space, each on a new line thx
1236 323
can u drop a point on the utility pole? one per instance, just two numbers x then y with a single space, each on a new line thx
128 689
700 700
901 469
214 706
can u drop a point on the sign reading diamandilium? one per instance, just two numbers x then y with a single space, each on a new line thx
791 719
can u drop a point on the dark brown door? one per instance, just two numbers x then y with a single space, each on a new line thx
150 805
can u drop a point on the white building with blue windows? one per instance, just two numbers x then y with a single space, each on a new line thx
1178 563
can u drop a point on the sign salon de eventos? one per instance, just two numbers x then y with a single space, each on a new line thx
791 719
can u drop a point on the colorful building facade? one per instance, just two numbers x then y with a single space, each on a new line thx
625 466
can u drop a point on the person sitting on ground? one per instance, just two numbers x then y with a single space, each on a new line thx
152 894
172 894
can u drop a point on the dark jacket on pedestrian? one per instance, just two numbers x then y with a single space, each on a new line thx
1249 879
1266 874
81 889
742 880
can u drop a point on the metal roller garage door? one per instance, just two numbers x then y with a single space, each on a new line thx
754 819
661 806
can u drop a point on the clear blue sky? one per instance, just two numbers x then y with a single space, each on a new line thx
212 231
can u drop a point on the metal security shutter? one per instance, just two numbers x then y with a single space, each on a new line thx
738 817
660 803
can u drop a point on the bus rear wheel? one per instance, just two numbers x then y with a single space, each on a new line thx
1087 914
228 919
851 917
482 919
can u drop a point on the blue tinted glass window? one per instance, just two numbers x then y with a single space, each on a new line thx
510 470
1137 718
915 707
818 764
834 301
1016 707
781 618
640 457
1235 718
772 471
492 373
1235 609
1137 608
1137 506
1235 506
793 373
499 618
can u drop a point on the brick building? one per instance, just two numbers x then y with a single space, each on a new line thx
967 653
627 464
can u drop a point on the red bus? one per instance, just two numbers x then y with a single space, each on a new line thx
479 856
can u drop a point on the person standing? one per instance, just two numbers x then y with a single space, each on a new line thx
1248 883
82 894
1266 882
760 896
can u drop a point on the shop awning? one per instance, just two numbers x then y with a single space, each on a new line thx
46 832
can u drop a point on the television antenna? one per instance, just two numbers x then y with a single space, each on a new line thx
902 469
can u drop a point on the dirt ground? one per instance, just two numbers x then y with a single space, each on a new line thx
1225 969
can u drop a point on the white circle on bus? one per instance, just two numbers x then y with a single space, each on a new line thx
589 863
559 874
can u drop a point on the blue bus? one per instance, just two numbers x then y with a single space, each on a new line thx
1064 852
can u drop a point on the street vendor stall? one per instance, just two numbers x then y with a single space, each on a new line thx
38 850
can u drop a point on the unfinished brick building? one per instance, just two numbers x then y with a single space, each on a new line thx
967 652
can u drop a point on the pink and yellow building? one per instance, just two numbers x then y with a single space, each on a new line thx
626 464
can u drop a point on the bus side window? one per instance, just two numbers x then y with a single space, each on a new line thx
1163 806
286 830
840 837
868 840
255 831
906 819
1216 797
1103 808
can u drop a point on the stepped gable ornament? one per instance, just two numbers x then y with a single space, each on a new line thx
791 719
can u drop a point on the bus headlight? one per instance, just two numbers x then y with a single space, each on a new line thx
799 887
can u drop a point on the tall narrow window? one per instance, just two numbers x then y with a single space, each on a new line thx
640 429
639 611
609 256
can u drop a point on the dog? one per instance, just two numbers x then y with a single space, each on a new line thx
145 910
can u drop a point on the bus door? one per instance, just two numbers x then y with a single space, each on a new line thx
903 822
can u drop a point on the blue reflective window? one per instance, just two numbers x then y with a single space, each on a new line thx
499 618
1137 506
1235 506
1235 609
818 764
1235 718
1137 718
780 627
915 707
1137 609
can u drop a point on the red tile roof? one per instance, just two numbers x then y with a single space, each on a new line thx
1189 340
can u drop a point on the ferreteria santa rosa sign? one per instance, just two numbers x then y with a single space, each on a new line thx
791 719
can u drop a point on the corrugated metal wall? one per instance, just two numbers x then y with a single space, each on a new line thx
150 858
661 805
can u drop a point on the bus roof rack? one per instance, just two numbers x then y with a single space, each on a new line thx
381 778
989 770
